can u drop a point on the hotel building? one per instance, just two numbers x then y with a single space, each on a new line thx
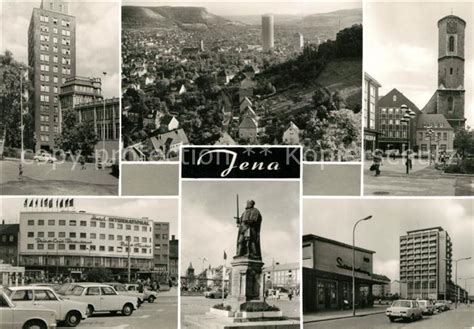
69 242
426 263
161 241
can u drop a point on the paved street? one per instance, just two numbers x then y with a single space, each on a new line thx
196 305
462 318
56 179
163 314
423 180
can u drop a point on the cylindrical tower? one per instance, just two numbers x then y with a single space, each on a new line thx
267 32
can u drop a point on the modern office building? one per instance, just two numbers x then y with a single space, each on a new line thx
55 240
84 96
267 32
282 276
174 259
327 274
448 100
369 107
161 248
52 58
426 263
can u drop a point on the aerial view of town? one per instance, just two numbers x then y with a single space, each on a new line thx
235 77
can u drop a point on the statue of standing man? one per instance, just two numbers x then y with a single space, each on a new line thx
248 239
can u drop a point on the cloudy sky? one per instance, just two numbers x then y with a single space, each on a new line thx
392 218
97 37
401 48
159 210
235 8
208 225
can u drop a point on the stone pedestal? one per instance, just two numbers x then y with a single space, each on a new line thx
246 281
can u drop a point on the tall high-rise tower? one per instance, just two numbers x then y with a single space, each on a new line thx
52 57
267 32
450 94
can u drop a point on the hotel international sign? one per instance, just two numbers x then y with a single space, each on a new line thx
122 220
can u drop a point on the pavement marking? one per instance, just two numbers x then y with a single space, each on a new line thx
146 316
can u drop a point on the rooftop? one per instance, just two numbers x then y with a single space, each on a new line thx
311 237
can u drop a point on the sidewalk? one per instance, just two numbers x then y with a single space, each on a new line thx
335 315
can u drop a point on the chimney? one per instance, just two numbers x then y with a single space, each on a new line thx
172 237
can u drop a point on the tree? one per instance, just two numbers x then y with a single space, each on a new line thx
464 141
76 136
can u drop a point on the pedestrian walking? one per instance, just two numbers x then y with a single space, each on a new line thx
377 162
83 162
409 162
20 171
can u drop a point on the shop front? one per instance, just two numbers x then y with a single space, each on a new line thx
327 275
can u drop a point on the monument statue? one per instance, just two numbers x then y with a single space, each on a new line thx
248 238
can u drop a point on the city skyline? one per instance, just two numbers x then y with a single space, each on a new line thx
410 52
97 39
392 219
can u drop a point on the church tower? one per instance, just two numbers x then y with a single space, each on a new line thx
450 94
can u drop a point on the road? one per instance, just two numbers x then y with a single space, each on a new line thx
199 305
55 179
163 314
423 180
461 318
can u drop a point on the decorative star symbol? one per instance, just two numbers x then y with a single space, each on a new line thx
265 151
248 151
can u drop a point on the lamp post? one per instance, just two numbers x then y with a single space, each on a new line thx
128 257
430 134
103 124
353 262
407 116
456 278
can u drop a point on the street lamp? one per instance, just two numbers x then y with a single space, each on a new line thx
353 262
430 134
407 116
456 278
103 125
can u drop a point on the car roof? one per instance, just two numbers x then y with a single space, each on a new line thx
88 284
29 288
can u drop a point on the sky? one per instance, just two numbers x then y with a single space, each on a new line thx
401 48
97 37
208 225
334 219
158 210
235 8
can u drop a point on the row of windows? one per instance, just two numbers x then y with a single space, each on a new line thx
6 237
44 138
45 88
64 51
65 61
54 20
45 99
45 29
93 223
394 133
427 135
45 78
71 246
64 70
64 41
83 235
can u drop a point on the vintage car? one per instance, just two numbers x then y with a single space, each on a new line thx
44 157
14 316
404 309
102 298
67 311
121 289
215 294
150 295
443 305
427 307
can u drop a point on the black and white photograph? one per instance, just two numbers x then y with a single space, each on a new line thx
240 254
89 263
233 73
59 82
410 259
418 100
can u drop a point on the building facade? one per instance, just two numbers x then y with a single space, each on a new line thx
394 134
161 248
285 276
52 58
68 242
448 100
174 259
327 274
298 41
370 104
267 32
434 133
426 263
9 234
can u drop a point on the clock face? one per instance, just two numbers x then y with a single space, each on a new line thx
452 27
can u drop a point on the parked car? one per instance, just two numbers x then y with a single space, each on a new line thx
150 295
404 309
44 157
101 164
215 294
443 305
102 298
67 311
427 307
54 286
15 316
121 289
